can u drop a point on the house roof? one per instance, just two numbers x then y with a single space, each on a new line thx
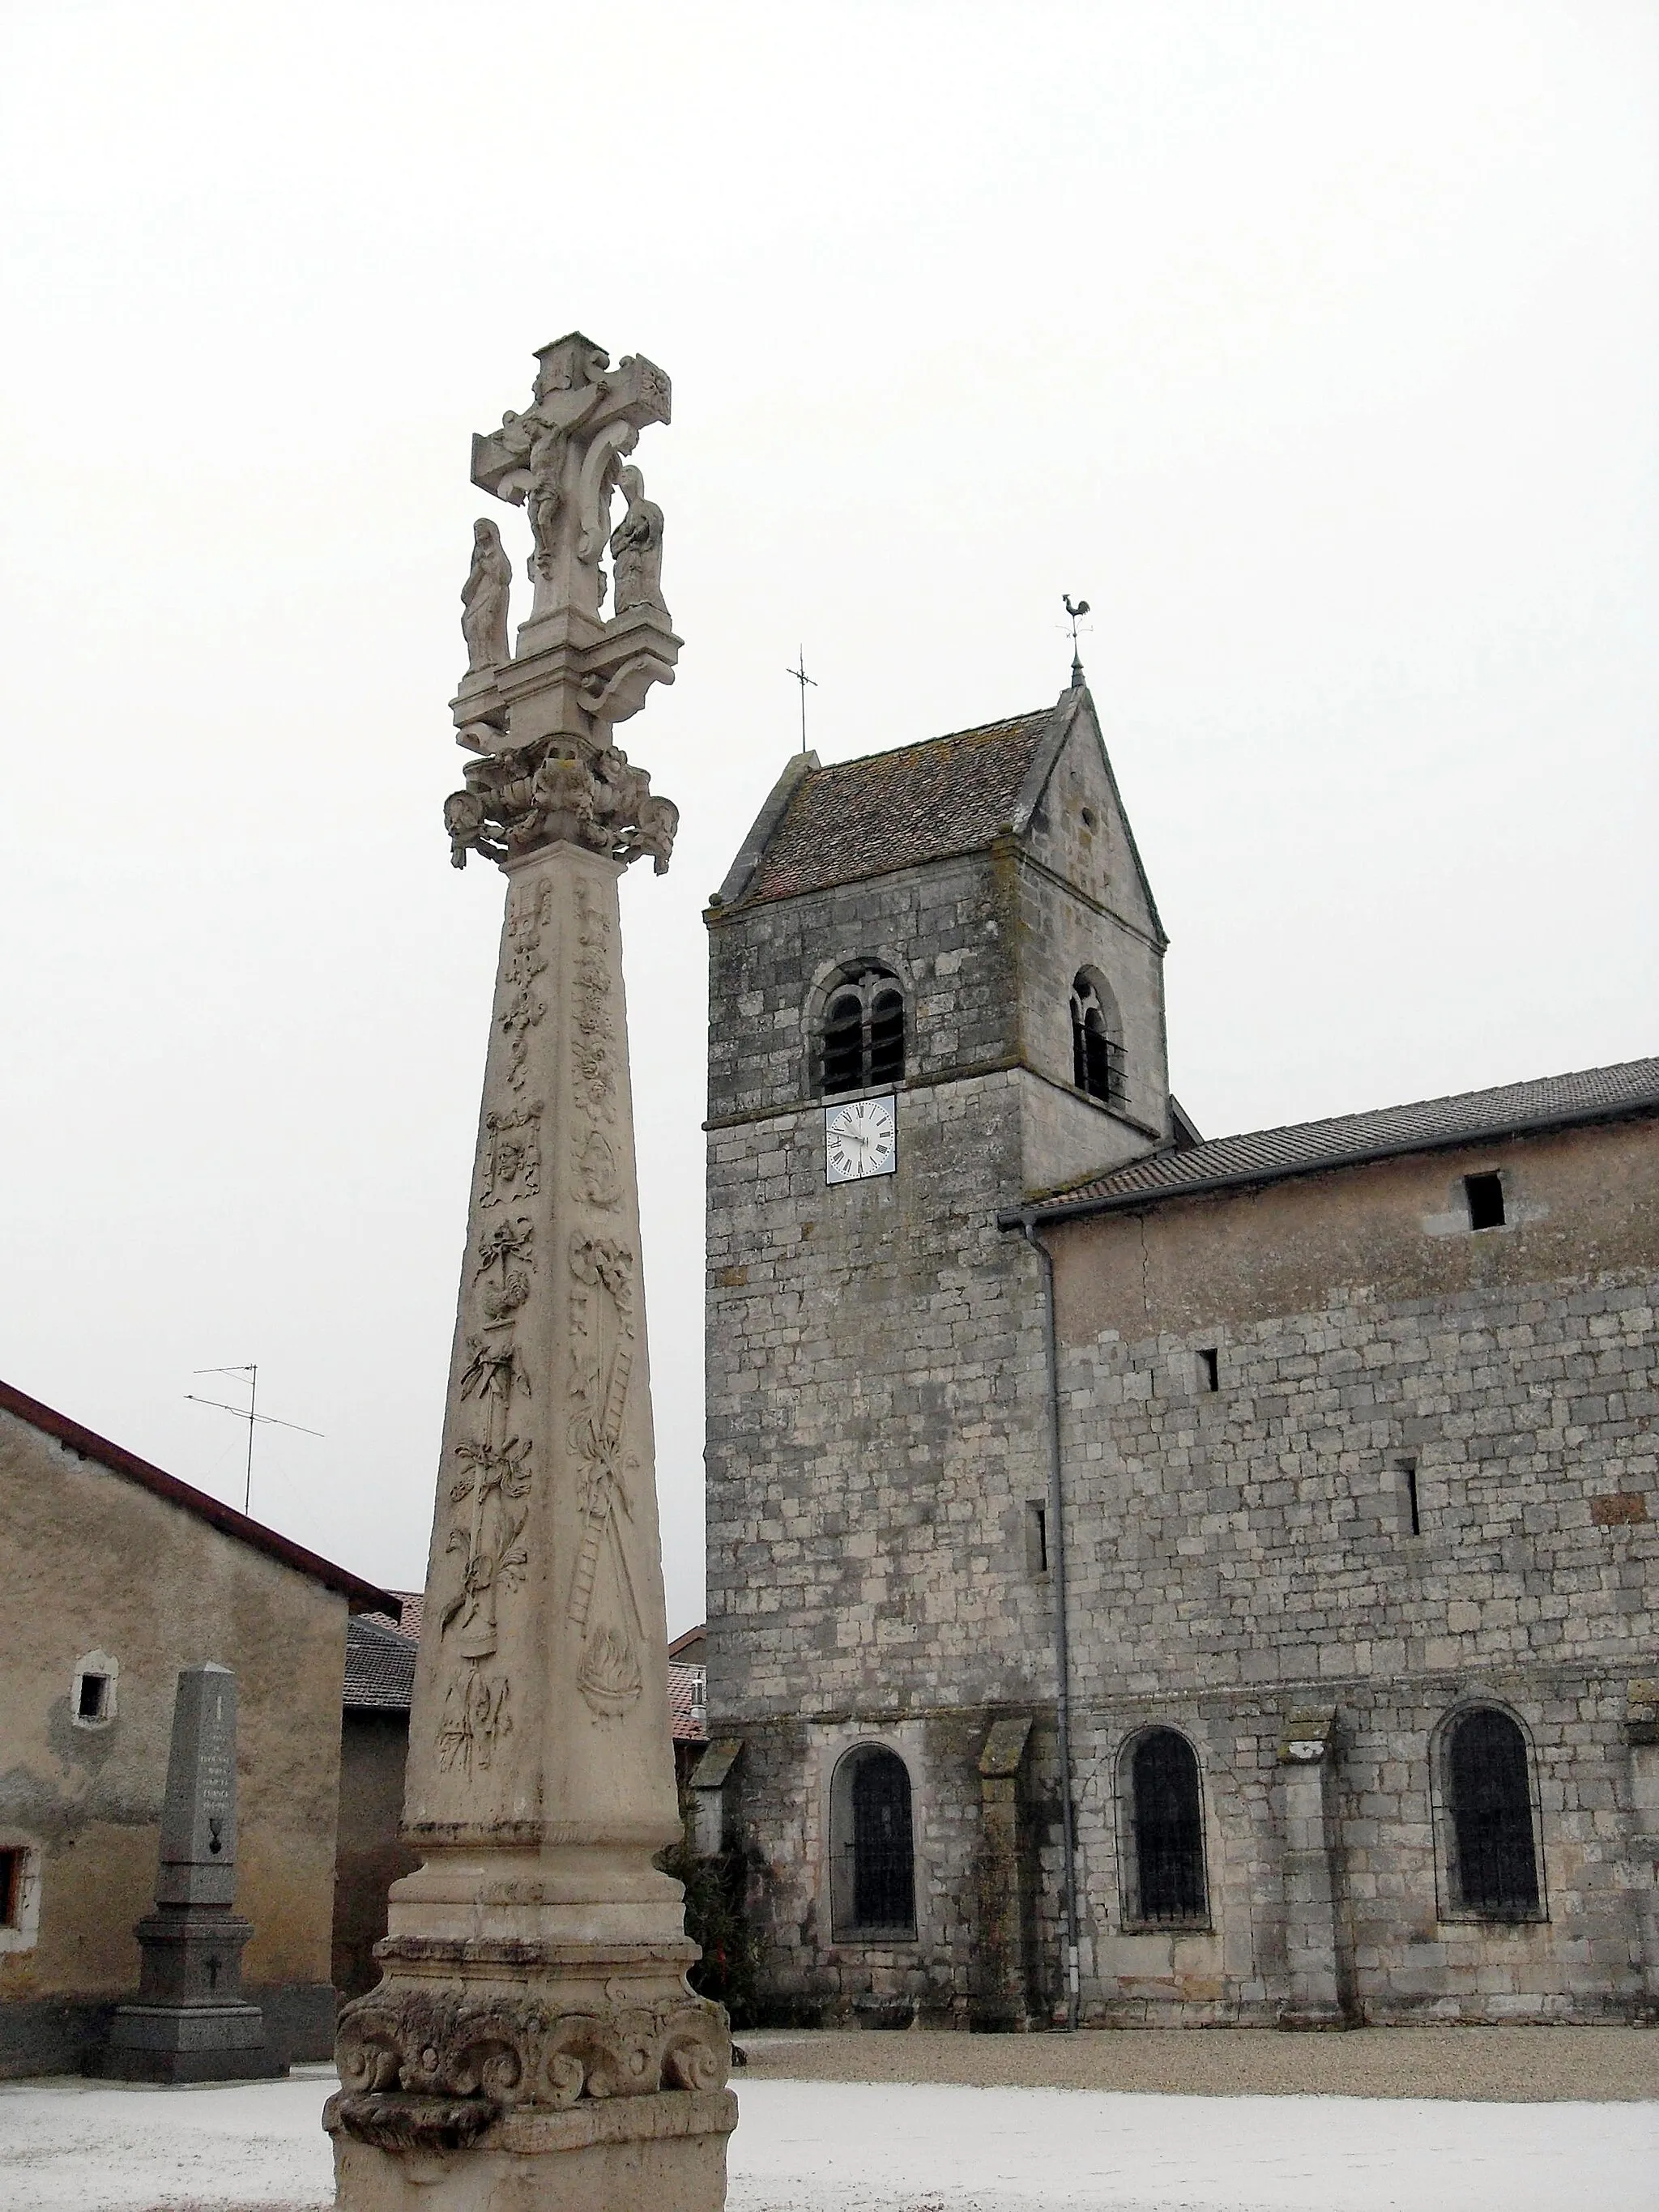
863 817
380 1670
380 1665
360 1595
1263 1156
686 1708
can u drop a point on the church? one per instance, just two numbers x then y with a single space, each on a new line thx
1152 1579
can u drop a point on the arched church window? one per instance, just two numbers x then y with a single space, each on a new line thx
1167 1818
1097 1061
863 1040
873 1876
1490 1802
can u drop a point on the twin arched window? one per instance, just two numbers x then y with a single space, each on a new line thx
1489 1796
863 1039
1166 1818
1097 1063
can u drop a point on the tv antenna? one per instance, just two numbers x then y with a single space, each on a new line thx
251 1369
1076 611
803 679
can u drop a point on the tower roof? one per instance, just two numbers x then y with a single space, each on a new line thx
894 809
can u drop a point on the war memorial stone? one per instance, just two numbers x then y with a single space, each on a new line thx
533 2040
191 2023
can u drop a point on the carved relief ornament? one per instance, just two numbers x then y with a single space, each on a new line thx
557 791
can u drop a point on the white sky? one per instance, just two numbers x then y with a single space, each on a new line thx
1317 345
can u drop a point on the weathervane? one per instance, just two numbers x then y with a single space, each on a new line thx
1077 613
801 677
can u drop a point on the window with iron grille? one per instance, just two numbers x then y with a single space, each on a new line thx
1169 1831
1490 1797
1097 1061
876 1836
863 1040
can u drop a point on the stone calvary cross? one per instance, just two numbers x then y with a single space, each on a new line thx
534 2040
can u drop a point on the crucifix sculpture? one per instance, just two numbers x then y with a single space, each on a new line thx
534 2040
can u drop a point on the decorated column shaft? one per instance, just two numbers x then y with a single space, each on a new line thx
534 2006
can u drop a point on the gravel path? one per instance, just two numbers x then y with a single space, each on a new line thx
1503 2065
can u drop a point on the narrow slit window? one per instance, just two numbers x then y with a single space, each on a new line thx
1209 1369
1408 1484
1484 1194
11 1889
1036 1537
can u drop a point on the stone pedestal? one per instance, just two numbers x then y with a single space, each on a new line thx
663 2151
534 2042
1321 1993
191 2023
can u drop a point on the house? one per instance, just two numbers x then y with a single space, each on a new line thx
118 1575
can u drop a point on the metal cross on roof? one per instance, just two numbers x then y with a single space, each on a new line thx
801 677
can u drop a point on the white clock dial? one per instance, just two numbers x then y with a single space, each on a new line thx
860 1138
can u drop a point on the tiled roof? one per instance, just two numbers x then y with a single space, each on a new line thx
380 1666
686 1708
86 1443
379 1670
1306 1147
862 818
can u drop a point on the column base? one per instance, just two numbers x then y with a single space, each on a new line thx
665 2151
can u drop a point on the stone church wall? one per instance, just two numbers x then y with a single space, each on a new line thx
1239 1553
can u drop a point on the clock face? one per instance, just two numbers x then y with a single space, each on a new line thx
860 1138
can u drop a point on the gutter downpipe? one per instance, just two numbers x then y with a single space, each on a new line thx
1062 1643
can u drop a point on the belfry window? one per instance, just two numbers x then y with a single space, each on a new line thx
1097 1063
863 1031
1496 1874
1168 1823
873 1880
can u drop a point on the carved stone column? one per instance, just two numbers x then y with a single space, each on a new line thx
1319 1994
534 2040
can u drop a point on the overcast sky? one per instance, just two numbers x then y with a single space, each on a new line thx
1317 345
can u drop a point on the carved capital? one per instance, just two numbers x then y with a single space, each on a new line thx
508 2052
557 791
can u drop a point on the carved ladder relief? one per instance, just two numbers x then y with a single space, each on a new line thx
604 1608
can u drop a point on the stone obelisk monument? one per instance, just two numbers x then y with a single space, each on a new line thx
534 2041
192 2021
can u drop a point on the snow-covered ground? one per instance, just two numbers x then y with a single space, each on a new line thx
845 2146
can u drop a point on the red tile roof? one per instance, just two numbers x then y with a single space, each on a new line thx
360 1595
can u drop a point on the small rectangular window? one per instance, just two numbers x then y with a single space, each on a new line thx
11 1889
94 1692
1209 1370
1410 1515
1036 1538
1484 1194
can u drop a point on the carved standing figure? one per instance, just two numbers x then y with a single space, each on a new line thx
485 598
636 548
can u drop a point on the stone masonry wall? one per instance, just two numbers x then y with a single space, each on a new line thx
1240 1553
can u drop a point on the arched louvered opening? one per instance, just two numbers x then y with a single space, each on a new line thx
1097 1057
863 1040
1490 1795
873 1840
1166 1811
